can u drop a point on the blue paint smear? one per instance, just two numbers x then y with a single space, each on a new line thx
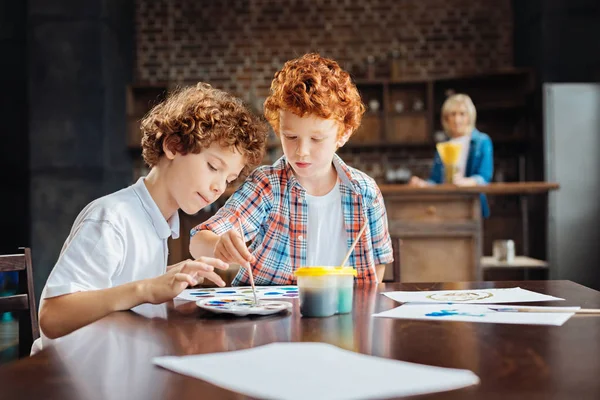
272 293
226 291
447 313
200 293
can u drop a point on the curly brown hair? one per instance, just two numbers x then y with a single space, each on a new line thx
312 84
194 117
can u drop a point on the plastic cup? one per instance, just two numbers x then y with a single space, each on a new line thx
325 291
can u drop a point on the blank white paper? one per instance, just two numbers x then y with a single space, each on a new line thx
316 371
476 313
474 296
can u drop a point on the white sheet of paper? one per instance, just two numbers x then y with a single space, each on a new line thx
476 313
262 292
474 296
316 371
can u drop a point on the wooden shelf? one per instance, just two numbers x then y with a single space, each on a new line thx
383 144
407 113
494 106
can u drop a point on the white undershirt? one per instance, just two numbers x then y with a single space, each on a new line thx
326 233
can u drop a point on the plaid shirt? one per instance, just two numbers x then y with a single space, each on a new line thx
272 208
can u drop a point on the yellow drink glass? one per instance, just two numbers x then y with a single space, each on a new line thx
449 154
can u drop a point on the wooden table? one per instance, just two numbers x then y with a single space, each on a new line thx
111 359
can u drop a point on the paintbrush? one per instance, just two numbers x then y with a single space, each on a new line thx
352 249
248 267
545 310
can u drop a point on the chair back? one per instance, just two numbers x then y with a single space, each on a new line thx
22 303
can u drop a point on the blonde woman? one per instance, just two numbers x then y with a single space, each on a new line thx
476 165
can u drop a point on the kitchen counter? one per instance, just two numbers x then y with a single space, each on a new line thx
507 188
437 230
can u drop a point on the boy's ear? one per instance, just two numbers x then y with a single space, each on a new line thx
343 139
168 152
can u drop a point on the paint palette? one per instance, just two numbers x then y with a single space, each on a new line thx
242 306
262 292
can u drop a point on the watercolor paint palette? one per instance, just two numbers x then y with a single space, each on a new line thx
242 306
262 292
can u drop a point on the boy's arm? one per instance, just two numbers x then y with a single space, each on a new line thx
380 270
220 235
64 314
203 243
380 237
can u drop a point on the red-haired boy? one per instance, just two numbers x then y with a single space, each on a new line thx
308 207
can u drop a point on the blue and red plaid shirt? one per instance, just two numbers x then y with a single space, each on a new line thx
271 206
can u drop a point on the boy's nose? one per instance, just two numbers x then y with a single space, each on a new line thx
217 188
302 149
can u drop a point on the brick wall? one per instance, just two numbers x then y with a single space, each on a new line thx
237 45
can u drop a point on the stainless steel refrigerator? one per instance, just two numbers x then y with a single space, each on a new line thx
572 158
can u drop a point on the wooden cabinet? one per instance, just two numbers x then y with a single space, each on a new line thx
396 113
408 112
436 238
437 230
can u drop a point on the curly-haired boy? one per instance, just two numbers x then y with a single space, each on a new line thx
196 142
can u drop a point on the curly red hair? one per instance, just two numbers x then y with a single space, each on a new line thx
312 84
193 118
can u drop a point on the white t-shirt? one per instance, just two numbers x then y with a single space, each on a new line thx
116 239
326 242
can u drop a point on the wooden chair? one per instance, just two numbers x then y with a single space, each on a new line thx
23 303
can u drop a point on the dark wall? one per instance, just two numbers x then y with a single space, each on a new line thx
14 143
80 60
559 38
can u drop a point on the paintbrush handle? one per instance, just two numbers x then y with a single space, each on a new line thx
248 267
345 260
550 310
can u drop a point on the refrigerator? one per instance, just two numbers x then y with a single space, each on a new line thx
572 158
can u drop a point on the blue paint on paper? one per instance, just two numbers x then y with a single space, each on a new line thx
448 313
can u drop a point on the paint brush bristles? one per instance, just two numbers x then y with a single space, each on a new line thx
248 267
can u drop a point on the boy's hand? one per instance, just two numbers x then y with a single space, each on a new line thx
231 248
181 275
